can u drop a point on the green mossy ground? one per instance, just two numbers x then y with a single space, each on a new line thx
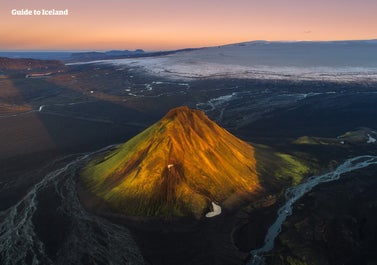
280 169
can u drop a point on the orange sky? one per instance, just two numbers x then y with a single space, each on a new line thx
168 24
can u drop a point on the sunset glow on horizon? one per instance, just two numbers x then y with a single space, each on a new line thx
167 24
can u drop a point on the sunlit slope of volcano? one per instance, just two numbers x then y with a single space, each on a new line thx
176 167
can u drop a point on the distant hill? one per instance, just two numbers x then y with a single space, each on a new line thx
86 56
8 65
118 54
40 55
105 55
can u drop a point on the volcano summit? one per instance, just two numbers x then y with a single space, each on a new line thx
177 167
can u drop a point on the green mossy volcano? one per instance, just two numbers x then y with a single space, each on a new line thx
176 167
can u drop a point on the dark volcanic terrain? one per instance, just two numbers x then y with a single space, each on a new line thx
334 224
52 116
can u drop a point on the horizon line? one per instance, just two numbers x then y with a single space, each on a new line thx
183 48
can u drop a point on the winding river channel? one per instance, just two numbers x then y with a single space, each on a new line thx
88 239
296 192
